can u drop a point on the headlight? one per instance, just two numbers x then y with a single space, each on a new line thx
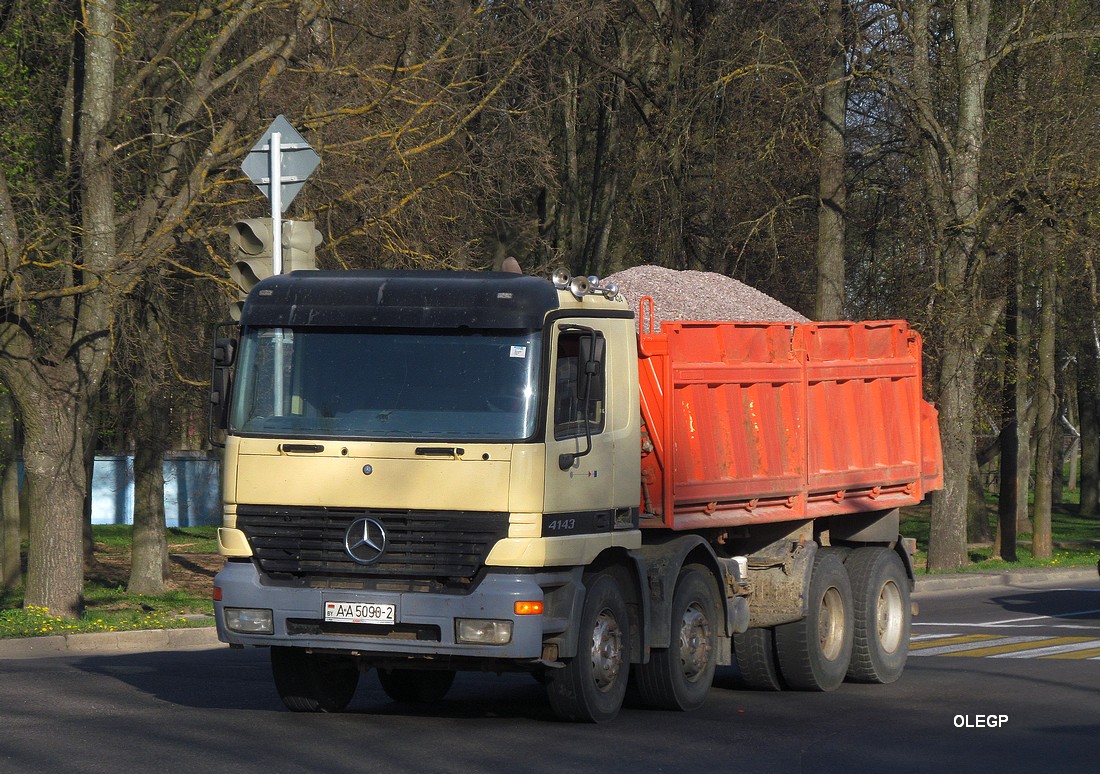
249 620
483 631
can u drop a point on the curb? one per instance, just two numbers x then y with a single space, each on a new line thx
140 641
976 580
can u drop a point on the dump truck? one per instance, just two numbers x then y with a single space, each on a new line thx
430 472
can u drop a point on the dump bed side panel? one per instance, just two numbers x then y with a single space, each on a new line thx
757 422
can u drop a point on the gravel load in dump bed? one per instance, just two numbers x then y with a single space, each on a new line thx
698 295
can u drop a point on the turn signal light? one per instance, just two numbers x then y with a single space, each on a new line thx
529 607
217 593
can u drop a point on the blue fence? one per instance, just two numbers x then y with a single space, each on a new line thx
192 490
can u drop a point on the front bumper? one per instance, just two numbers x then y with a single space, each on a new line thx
425 621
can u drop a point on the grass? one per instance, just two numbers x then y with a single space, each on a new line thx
109 607
1076 542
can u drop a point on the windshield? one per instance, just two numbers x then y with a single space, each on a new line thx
393 384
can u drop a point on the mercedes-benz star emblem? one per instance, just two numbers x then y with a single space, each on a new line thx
365 541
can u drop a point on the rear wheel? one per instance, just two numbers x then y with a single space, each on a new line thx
754 650
591 686
679 677
814 652
313 682
416 686
882 615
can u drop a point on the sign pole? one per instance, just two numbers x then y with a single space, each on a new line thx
276 153
276 203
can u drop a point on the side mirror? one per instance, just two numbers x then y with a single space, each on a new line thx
225 353
222 356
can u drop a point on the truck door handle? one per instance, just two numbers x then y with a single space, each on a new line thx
440 451
301 448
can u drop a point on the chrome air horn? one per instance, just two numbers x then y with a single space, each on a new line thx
582 286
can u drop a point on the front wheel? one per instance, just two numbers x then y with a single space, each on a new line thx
591 686
679 677
880 592
814 652
313 682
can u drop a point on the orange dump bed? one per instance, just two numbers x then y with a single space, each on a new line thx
759 422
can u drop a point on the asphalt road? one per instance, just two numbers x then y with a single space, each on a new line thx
215 710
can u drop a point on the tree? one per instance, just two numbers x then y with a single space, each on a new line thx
129 157
832 187
11 571
942 87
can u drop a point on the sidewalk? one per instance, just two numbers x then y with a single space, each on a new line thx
100 643
206 637
1024 577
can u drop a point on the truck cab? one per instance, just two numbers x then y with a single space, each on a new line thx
419 466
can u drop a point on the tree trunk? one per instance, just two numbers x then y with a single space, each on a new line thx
947 532
1025 409
1046 405
12 559
54 422
1007 502
149 568
831 191
977 523
11 571
1090 430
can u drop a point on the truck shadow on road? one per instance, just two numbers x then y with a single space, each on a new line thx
224 679
1067 604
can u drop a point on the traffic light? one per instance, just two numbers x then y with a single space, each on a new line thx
300 240
253 250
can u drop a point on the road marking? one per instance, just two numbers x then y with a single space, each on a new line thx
1069 647
967 625
1017 645
947 643
994 646
1091 653
975 642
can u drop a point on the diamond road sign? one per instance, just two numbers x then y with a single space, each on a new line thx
299 161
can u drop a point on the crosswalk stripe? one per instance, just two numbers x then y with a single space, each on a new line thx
1067 649
1035 648
1014 645
1091 653
961 640
923 637
973 645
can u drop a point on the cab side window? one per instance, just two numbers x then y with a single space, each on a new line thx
579 370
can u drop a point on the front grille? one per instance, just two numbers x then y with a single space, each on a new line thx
308 542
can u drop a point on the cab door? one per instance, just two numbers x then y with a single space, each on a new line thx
580 469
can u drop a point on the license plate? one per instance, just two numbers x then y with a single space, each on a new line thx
360 612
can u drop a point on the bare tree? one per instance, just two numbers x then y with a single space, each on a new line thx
832 187
66 270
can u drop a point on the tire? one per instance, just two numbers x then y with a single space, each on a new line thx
591 686
882 615
416 686
313 682
814 653
754 650
679 677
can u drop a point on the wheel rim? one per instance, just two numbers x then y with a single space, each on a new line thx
694 642
830 625
890 617
607 650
